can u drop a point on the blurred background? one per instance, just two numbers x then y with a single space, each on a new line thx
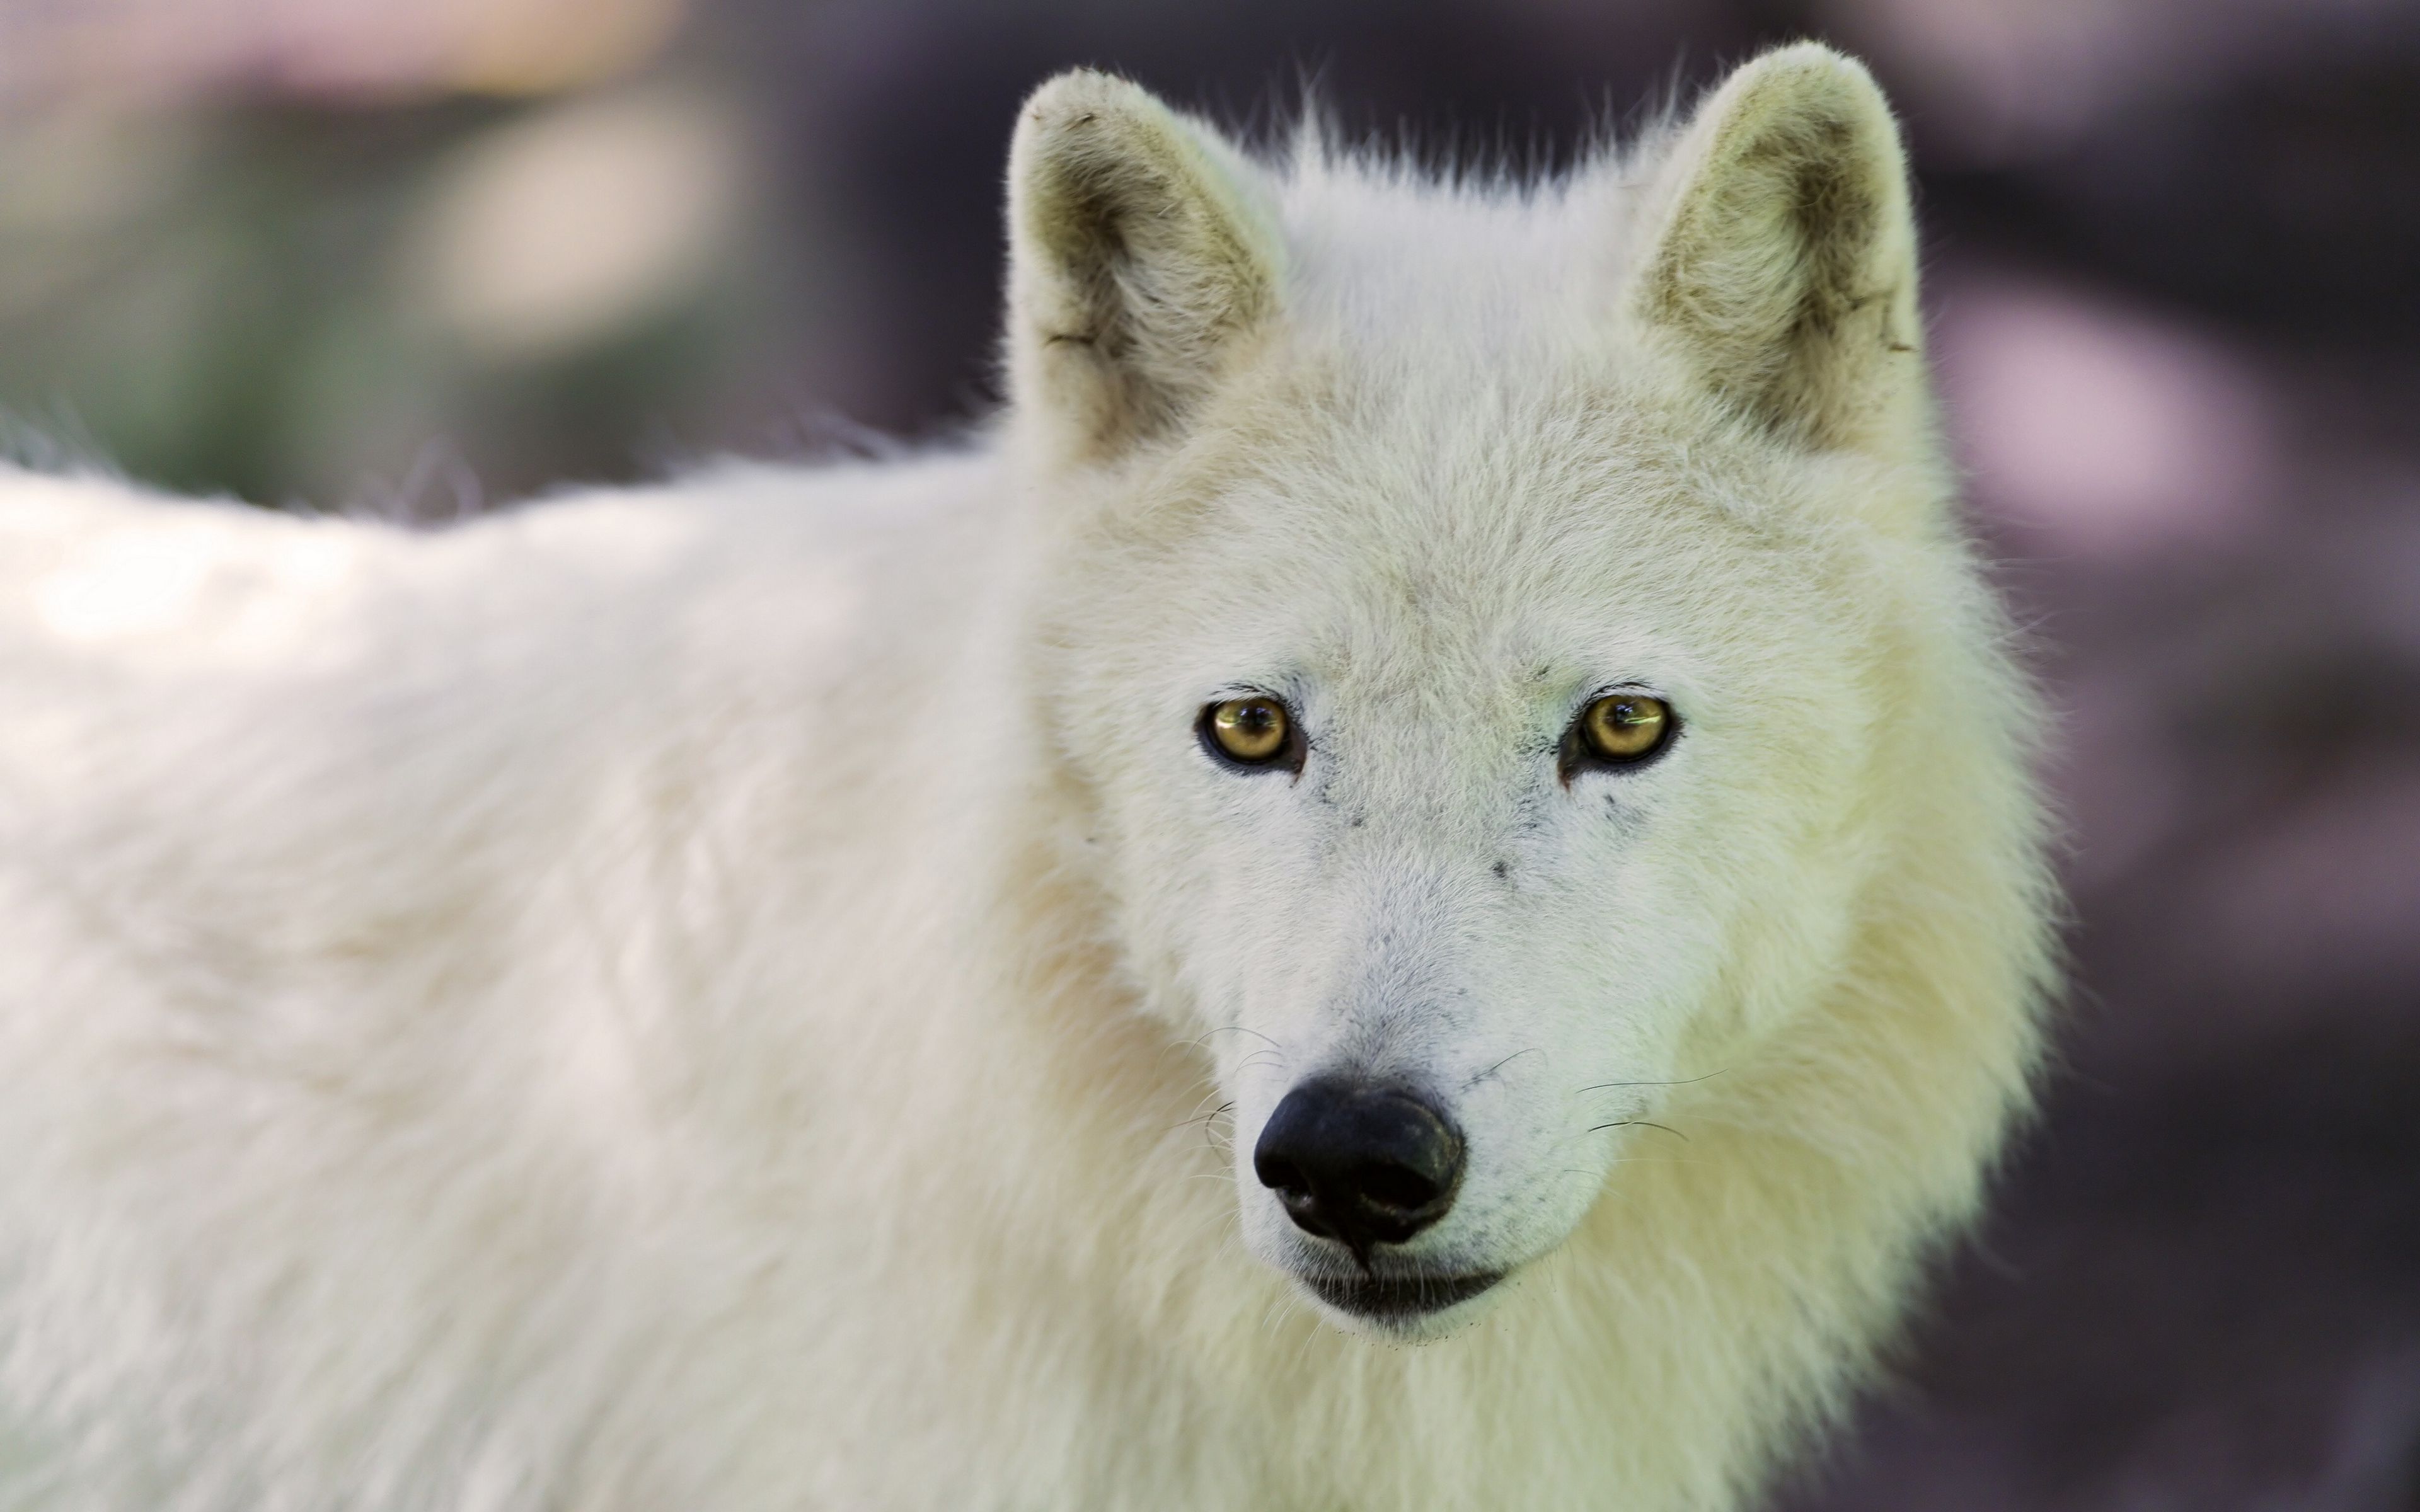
422 256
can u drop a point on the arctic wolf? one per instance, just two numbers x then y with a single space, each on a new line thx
1412 886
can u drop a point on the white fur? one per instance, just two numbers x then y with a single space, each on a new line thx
718 996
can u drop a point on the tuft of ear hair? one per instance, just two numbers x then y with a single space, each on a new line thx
1784 265
1140 253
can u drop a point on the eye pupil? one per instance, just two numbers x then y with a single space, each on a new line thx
1254 731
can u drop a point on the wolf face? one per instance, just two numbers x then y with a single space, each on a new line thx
1480 622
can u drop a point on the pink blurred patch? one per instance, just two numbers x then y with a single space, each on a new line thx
2105 429
1993 82
153 54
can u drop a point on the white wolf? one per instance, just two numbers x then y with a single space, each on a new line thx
1443 777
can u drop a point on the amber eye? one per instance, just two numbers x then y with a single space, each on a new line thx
1624 727
1252 732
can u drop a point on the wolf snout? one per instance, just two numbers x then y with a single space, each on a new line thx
1360 1164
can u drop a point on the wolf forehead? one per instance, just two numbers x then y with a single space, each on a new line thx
1475 551
1479 527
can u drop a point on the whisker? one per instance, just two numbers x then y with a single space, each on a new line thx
1640 1123
1235 1028
1491 1071
1690 1081
1199 1117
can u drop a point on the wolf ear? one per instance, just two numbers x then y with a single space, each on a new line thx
1783 261
1140 252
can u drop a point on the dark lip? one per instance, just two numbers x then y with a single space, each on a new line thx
1399 1298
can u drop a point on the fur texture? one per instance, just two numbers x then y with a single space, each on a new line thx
751 995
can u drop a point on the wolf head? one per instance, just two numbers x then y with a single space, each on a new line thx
1511 642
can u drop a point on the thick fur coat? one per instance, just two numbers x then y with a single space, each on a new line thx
757 992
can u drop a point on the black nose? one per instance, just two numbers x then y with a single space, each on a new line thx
1358 1163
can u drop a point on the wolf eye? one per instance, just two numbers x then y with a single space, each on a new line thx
1621 730
1253 730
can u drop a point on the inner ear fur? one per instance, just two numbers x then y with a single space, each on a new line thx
1139 257
1784 264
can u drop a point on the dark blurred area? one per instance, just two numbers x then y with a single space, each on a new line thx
423 254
